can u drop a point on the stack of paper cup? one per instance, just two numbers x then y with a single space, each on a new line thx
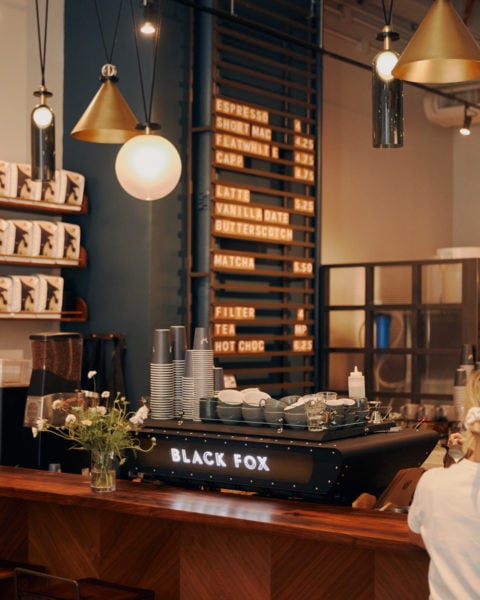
202 366
188 396
179 347
161 376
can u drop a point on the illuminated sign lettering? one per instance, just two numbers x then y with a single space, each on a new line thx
229 158
229 192
239 313
224 329
233 261
238 211
302 345
244 145
243 111
219 460
304 205
252 230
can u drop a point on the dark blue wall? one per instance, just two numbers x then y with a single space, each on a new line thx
135 279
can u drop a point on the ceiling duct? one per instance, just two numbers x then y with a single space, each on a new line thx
450 112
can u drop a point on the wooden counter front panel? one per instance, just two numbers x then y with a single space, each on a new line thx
193 545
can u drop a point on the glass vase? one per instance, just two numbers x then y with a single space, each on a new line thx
102 471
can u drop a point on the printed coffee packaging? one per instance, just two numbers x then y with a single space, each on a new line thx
50 293
44 239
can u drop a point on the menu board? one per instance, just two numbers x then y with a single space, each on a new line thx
264 204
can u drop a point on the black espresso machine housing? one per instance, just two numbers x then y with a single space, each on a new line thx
285 463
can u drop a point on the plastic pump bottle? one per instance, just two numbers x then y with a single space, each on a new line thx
356 385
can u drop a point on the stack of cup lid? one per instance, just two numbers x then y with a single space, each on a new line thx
218 381
161 376
188 395
179 347
202 368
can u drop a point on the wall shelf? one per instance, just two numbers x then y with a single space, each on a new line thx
41 261
40 206
78 313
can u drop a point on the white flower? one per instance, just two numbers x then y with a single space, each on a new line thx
70 420
41 423
86 422
91 374
56 404
101 410
105 394
139 417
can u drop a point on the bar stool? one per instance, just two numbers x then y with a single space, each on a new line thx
33 585
7 576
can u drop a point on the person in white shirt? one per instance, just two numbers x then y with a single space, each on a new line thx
444 518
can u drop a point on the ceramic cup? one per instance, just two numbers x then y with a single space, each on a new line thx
295 415
253 415
229 414
208 409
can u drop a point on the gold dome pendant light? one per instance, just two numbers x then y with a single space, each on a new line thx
108 119
442 50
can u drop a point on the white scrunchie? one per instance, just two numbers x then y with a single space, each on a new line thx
473 416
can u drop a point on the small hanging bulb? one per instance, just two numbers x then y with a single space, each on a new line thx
148 26
467 121
42 138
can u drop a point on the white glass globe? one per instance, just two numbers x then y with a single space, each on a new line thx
148 167
385 61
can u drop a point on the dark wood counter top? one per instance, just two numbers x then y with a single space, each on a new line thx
291 517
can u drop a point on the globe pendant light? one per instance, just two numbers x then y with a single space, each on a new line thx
108 119
442 50
42 119
148 167
387 96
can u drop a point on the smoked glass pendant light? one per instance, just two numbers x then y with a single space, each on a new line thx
148 167
42 120
467 122
387 92
442 50
108 119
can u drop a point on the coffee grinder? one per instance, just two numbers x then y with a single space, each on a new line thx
56 368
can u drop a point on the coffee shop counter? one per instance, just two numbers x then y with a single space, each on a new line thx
194 544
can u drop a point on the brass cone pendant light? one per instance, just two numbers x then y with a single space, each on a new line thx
108 118
442 50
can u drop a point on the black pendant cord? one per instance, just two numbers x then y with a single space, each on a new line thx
147 111
387 14
108 55
42 46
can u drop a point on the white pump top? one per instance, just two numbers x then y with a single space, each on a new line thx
356 384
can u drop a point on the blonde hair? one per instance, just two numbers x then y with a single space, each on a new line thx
472 399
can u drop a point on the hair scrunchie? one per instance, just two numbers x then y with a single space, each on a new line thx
473 415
